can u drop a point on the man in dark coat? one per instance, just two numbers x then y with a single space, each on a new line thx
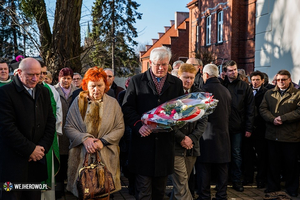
152 154
240 120
256 145
112 85
27 127
186 141
215 141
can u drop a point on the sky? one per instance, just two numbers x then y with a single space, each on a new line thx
156 15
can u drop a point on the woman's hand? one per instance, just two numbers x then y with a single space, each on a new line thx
99 145
90 145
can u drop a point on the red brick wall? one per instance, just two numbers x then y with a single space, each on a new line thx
176 39
238 31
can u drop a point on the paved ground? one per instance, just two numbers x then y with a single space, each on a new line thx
250 193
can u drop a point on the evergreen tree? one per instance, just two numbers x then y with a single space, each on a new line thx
114 33
10 32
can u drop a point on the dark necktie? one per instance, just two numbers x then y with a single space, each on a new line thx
186 92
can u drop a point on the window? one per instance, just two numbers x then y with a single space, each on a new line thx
208 30
220 27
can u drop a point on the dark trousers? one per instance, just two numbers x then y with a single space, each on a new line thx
148 188
283 158
255 152
236 140
21 195
61 176
204 173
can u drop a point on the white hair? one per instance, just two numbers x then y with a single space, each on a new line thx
177 62
160 53
75 73
174 72
109 69
211 69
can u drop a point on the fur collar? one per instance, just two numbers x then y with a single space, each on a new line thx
90 112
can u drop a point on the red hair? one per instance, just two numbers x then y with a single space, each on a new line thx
94 74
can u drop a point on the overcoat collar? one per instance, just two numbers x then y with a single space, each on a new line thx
20 88
147 77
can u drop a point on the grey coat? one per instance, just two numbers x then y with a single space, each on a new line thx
65 103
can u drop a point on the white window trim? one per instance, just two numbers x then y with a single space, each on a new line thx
220 27
208 30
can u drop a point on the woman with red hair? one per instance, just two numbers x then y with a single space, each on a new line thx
94 123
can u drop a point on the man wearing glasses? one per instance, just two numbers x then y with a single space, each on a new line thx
77 79
152 154
27 127
280 108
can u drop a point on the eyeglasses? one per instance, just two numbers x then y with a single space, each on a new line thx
44 73
283 79
110 76
163 65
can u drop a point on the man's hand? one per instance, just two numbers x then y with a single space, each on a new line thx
187 143
37 154
277 121
247 134
145 131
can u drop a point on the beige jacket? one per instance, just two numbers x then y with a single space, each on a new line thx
99 120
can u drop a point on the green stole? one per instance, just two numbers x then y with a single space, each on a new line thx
53 148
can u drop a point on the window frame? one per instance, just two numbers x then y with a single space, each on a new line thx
208 30
220 26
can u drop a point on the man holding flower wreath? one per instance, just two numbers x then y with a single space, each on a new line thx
151 154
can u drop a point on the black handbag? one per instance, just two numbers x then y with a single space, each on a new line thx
94 179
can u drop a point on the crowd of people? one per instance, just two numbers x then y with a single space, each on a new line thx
46 131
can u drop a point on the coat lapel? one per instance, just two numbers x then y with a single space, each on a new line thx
150 82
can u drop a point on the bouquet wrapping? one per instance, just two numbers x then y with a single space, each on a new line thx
179 111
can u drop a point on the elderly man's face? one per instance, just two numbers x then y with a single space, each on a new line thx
77 80
160 67
4 72
110 77
30 74
194 62
283 81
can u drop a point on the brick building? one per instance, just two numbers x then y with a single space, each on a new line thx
225 28
175 37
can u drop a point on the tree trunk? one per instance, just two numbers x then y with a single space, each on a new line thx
66 37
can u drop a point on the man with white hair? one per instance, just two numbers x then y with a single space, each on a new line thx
152 154
215 141
177 64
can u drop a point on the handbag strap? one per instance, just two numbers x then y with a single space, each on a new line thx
87 156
